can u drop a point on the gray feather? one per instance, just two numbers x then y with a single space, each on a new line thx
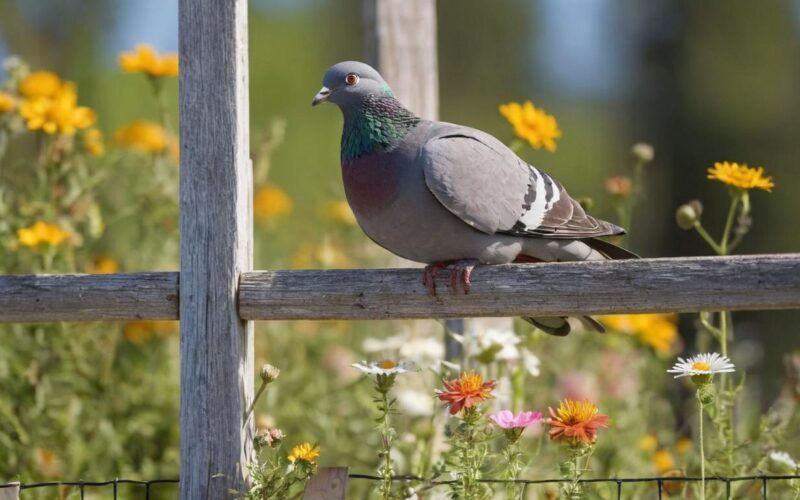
434 192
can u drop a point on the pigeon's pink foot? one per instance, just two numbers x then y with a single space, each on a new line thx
461 270
429 276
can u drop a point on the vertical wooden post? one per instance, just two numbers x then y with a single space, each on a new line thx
329 483
400 41
216 246
10 492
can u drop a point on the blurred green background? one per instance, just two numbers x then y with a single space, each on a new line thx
700 81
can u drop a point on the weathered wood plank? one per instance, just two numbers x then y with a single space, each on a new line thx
216 245
75 297
329 483
606 287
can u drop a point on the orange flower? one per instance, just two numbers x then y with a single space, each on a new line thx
7 103
576 421
466 391
142 331
663 461
103 264
618 185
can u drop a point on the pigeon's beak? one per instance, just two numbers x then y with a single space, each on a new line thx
321 96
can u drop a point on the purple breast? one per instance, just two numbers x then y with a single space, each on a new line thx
370 183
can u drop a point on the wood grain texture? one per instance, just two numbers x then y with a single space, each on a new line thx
85 297
601 287
329 483
10 492
216 245
400 42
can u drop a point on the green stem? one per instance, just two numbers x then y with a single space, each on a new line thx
729 223
161 102
723 332
468 457
636 191
704 234
255 399
725 328
702 451
386 442
705 320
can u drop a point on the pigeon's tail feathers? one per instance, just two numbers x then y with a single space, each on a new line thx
561 326
608 250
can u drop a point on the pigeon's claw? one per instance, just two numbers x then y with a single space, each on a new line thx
461 270
429 276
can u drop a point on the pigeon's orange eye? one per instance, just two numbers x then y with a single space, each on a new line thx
351 79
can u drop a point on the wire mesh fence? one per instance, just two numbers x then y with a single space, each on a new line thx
759 486
117 489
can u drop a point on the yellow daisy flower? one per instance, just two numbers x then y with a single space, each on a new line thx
339 211
41 232
306 452
663 461
103 264
144 136
93 142
40 84
683 445
648 442
532 124
57 114
271 202
7 103
659 331
740 176
144 59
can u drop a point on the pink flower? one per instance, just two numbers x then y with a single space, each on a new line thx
507 420
513 425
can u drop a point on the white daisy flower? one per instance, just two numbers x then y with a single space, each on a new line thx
415 403
702 364
504 341
386 367
783 458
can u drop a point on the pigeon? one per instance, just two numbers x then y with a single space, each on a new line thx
453 197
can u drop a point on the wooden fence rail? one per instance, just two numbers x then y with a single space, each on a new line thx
747 282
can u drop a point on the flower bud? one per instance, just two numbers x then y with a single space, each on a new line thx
276 435
688 214
269 373
618 185
586 203
270 438
643 152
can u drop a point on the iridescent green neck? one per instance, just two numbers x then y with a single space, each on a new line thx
378 124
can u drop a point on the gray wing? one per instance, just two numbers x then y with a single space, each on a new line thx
480 180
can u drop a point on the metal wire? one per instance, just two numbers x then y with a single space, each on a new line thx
150 486
85 487
660 482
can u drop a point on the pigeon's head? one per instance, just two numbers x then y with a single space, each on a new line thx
347 83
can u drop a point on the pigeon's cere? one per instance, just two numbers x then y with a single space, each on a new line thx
451 196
